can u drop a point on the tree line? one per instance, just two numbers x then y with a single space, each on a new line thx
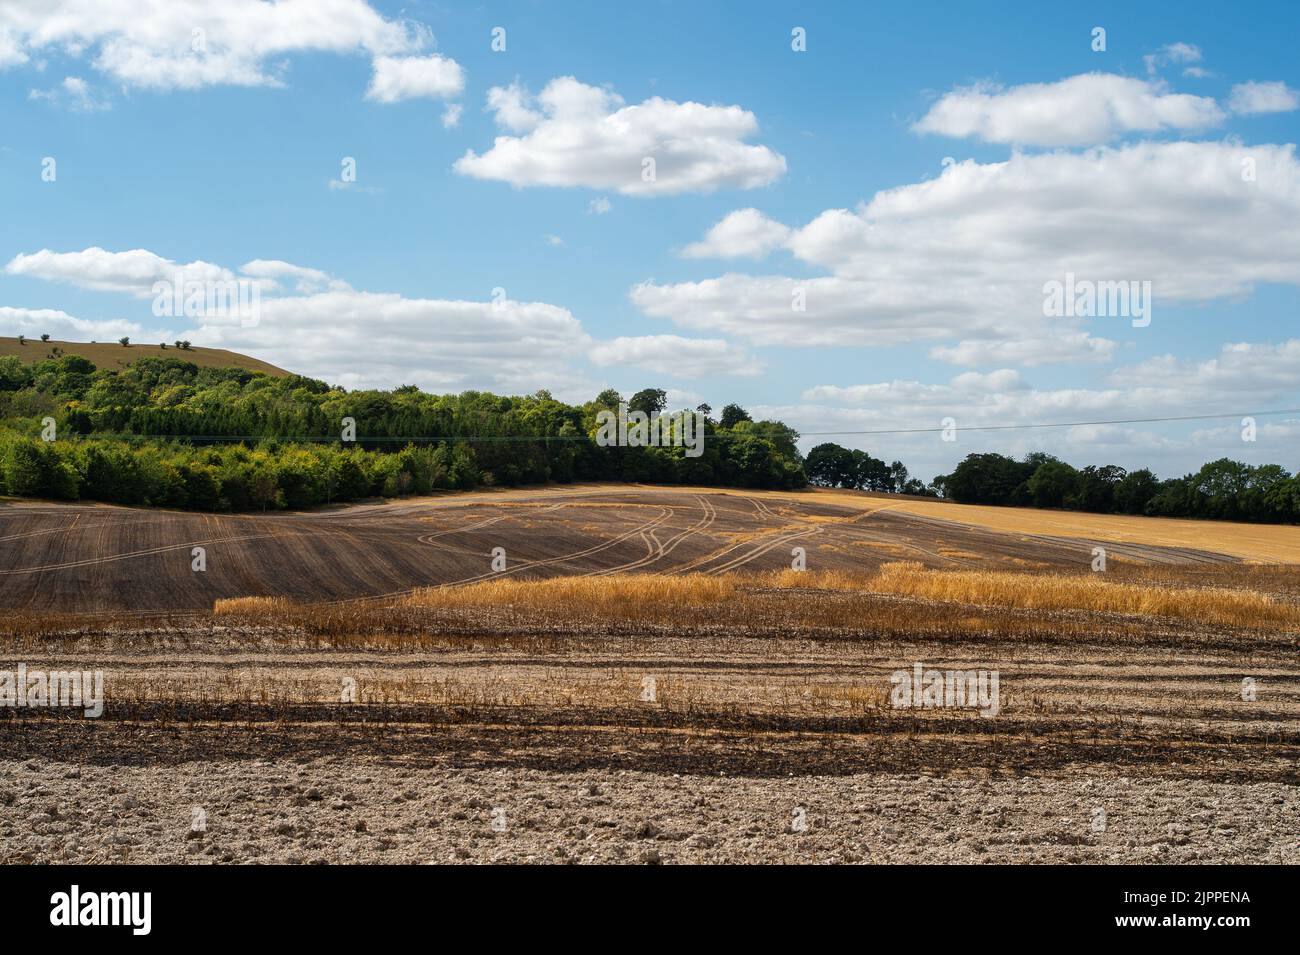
1220 490
164 432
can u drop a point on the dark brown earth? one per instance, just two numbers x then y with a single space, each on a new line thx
79 558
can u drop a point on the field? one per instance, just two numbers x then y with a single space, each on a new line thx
647 679
115 356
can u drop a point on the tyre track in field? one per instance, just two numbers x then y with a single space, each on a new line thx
92 561
760 545
666 512
763 549
710 514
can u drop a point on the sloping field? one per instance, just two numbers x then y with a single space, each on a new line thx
1271 543
115 356
78 558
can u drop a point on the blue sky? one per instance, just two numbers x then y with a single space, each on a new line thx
924 284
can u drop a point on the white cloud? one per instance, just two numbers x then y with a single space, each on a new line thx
1251 98
133 272
961 260
1082 110
189 44
305 280
1028 352
451 115
11 53
398 78
59 325
375 339
324 328
1241 378
1174 53
553 240
744 233
675 355
1241 373
579 135
599 206
74 94
509 104
1240 370
316 324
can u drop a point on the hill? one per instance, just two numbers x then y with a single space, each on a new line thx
114 356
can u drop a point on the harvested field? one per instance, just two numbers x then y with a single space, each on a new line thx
646 681
88 558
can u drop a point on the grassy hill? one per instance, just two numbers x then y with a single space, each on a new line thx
112 355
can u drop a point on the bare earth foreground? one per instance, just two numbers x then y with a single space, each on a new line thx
366 810
641 684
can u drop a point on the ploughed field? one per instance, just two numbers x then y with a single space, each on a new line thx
70 559
646 681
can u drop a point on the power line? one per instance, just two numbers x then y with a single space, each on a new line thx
409 439
1060 424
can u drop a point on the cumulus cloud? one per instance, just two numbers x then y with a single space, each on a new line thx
59 325
133 272
675 355
318 325
1243 377
376 339
189 44
745 233
961 260
1082 110
1245 370
1251 98
398 78
599 206
572 134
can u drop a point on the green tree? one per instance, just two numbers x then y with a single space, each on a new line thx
732 415
1053 483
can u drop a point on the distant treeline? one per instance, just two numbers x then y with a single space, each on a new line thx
164 432
1221 490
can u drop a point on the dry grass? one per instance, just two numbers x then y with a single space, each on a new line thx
618 596
242 606
900 598
1215 605
1232 608
113 356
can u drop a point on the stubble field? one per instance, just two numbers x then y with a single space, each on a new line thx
646 681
